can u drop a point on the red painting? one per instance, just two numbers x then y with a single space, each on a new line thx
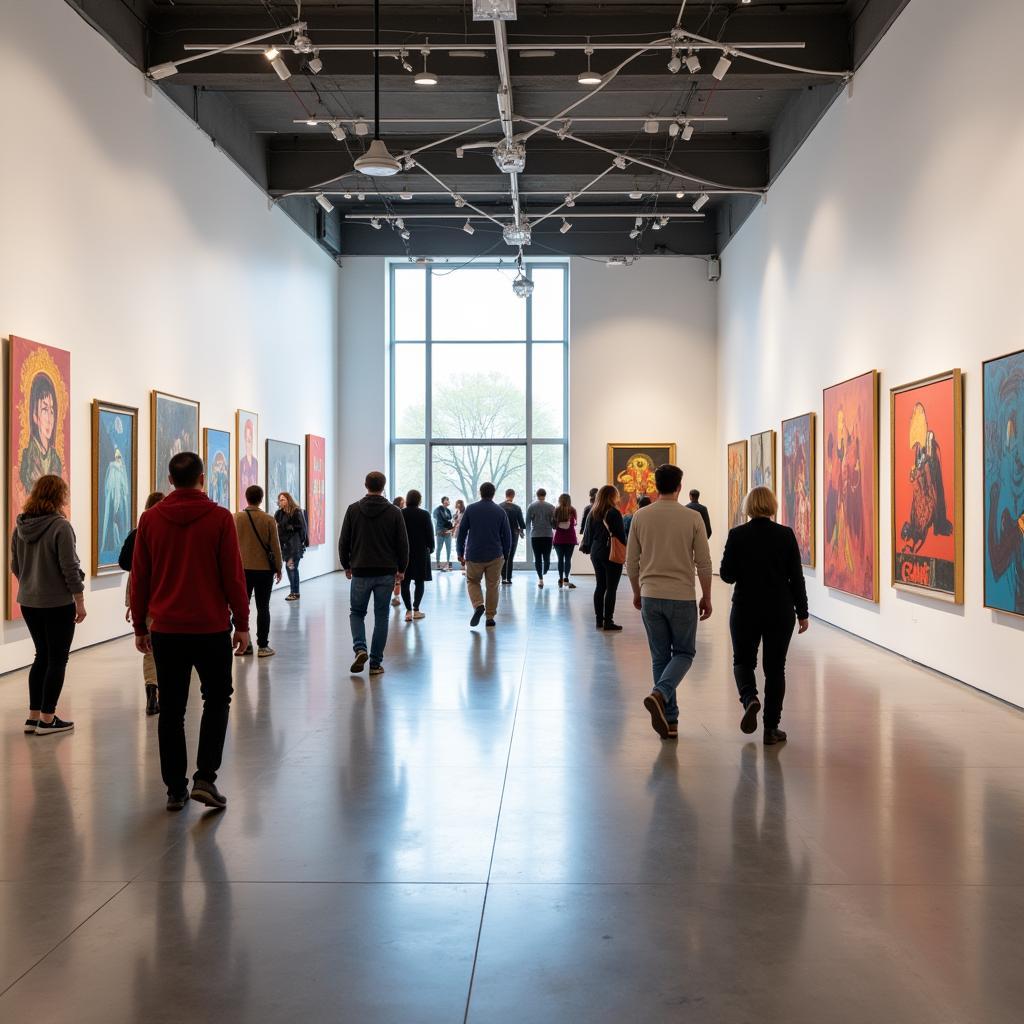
850 439
316 494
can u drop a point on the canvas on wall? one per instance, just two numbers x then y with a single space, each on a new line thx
217 463
39 429
316 494
174 428
115 481
850 489
736 481
1002 382
284 470
796 507
247 441
927 486
631 468
762 459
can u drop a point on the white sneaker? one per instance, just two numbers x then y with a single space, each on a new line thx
419 615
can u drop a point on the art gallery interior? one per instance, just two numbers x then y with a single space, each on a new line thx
510 239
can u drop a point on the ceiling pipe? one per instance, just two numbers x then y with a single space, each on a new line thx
390 50
461 215
505 109
617 119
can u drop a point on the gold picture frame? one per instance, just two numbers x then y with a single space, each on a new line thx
155 397
634 480
101 565
735 496
810 419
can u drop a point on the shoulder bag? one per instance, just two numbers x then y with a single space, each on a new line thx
616 549
267 550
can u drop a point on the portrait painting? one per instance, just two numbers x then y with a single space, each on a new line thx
736 480
850 489
762 459
631 468
115 480
316 493
174 428
217 463
927 486
39 429
796 505
284 470
1002 383
247 440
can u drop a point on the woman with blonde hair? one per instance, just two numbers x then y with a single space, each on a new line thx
762 559
294 535
564 539
604 527
51 592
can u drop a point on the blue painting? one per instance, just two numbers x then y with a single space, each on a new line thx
284 471
115 453
217 460
1003 401
175 427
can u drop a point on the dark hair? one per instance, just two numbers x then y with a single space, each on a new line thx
694 495
487 491
644 501
398 501
49 496
541 494
564 512
376 482
445 498
185 469
603 502
593 494
156 497
254 494
510 493
668 478
290 504
413 499
42 387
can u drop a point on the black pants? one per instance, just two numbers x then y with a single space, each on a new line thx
176 655
412 600
564 553
506 569
52 631
772 630
261 582
607 575
541 554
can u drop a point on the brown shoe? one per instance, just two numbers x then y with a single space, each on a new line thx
673 731
655 704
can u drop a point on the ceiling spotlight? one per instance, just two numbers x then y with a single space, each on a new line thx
425 77
302 43
635 233
404 233
325 202
458 200
692 62
459 153
651 126
375 223
687 132
620 162
348 195
360 196
316 65
399 223
273 54
680 195
159 71
405 195
564 130
636 195
570 200
406 66
588 77
675 64
566 227
377 161
338 130
723 65
700 202
312 122
662 222
637 228
673 129
361 128
522 285
468 228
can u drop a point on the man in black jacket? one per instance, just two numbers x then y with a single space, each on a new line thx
695 504
517 524
588 510
374 552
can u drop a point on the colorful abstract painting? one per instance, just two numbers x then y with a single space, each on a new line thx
174 428
762 460
631 469
217 462
736 480
1003 402
316 493
850 449
796 504
284 471
247 446
115 480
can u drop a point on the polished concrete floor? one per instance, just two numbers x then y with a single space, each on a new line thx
491 831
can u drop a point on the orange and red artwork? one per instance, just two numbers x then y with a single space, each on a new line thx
631 469
736 477
796 507
316 495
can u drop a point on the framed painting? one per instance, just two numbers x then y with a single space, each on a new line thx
115 481
174 428
284 471
39 429
927 437
1002 399
762 460
217 462
736 480
247 445
850 446
316 494
631 468
796 507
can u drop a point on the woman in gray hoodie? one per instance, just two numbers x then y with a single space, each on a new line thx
51 595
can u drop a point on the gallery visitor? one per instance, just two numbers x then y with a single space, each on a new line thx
627 520
420 529
259 540
701 510
540 523
399 502
482 544
590 508
517 524
564 539
188 586
667 546
460 511
124 560
444 524
51 593
604 539
374 551
762 559
294 537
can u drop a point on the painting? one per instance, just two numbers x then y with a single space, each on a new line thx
631 468
1002 385
850 448
762 460
39 429
736 476
217 462
928 486
115 481
174 428
796 508
284 471
316 493
247 441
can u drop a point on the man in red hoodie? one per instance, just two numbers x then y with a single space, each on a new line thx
187 576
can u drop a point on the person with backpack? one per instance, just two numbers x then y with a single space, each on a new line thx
262 560
604 539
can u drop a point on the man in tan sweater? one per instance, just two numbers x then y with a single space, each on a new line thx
261 559
668 545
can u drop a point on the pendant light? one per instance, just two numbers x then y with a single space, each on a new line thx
377 161
589 77
425 77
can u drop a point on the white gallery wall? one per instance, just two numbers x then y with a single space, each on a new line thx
892 242
131 241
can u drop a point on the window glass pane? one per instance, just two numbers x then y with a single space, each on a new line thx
476 305
410 375
549 471
410 470
459 470
548 390
548 304
479 391
410 294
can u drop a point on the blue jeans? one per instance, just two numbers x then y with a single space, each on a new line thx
672 637
293 576
444 543
381 588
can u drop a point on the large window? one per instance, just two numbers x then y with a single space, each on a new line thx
479 381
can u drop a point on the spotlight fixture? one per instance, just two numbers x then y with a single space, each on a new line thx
327 205
273 54
570 200
162 71
673 129
675 64
692 62
651 126
402 59
468 228
338 131
700 202
662 223
680 195
620 162
522 285
425 77
566 227
399 223
458 200
459 153
348 195
316 65
360 196
636 195
375 223
312 122
361 128
404 233
405 195
687 132
637 228
302 43
723 65
589 77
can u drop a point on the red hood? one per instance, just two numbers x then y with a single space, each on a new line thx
183 506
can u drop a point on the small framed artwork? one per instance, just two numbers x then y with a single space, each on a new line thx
217 461
284 471
796 505
247 446
736 478
762 459
631 468
316 494
115 481
174 428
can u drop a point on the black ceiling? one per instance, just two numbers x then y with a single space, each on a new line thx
258 120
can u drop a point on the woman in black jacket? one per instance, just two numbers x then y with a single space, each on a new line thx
420 528
291 528
763 560
603 523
